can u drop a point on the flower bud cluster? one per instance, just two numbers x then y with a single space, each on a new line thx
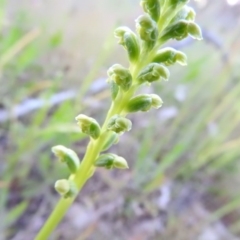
66 187
162 20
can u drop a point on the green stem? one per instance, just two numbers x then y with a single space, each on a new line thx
54 219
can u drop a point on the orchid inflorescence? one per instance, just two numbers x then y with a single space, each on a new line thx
162 20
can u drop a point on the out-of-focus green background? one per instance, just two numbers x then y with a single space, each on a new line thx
184 177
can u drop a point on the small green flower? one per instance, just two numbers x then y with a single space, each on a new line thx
178 31
128 39
88 126
119 124
141 102
153 72
110 160
144 102
181 30
66 188
169 56
147 30
105 160
68 156
121 76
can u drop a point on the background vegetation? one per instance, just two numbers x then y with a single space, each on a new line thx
184 176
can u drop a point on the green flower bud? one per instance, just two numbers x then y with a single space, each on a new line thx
144 102
181 30
169 56
110 160
141 102
194 31
66 188
105 160
176 31
128 39
153 72
112 139
62 186
156 101
121 76
147 30
119 124
88 126
152 7
68 156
